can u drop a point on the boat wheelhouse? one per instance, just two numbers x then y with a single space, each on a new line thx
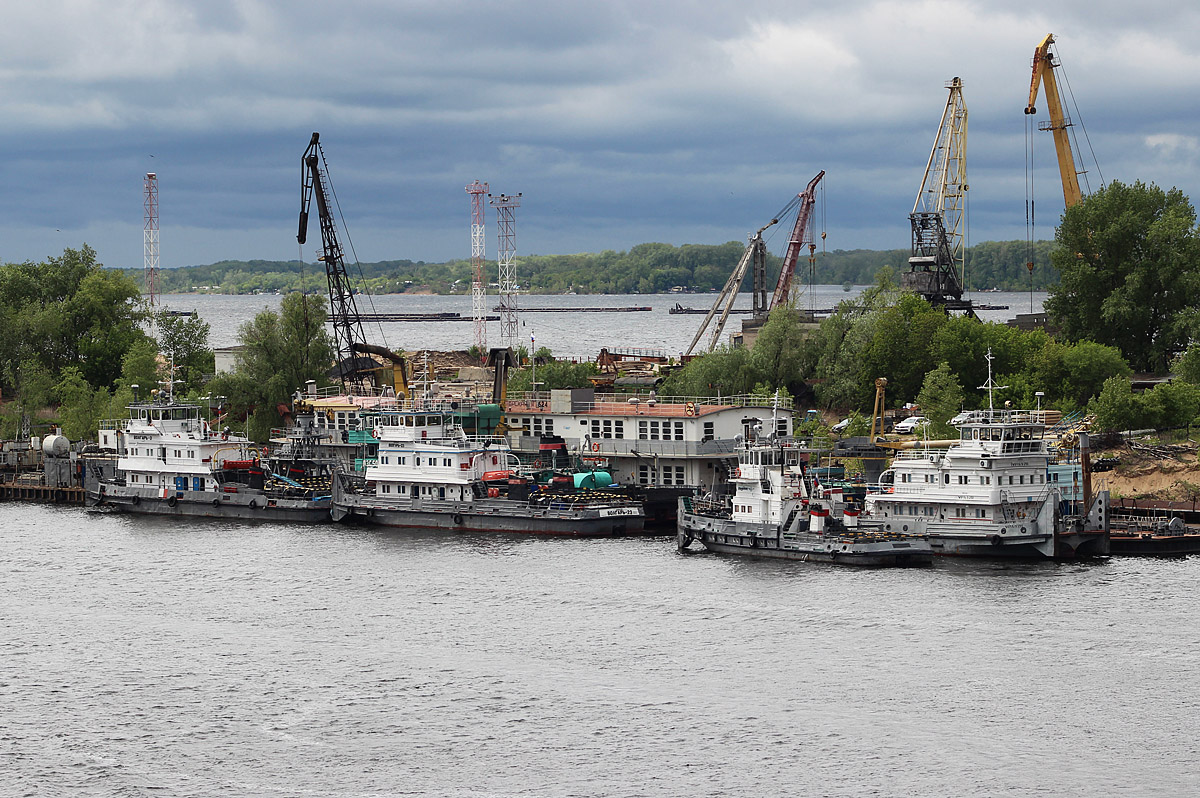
171 461
991 493
429 473
773 514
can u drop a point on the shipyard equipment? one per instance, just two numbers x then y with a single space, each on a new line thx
347 324
755 255
724 302
937 265
802 234
1044 64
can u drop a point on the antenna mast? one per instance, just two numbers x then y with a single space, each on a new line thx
505 211
150 237
478 286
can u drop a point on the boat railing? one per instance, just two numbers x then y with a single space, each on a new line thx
545 400
625 447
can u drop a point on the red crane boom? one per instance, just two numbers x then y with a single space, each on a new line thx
801 235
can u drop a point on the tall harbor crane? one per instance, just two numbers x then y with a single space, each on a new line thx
1044 64
936 267
802 234
755 250
755 255
347 323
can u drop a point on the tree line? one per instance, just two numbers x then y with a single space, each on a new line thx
650 268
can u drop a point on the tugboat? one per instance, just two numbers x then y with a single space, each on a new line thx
429 474
989 495
170 461
772 514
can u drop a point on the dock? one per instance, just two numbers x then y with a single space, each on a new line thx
45 494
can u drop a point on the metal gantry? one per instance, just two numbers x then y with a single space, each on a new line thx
506 206
347 323
938 259
150 236
478 287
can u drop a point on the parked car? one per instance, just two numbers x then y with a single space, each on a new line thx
910 424
960 418
841 425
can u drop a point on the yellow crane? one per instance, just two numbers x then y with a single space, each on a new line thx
1044 64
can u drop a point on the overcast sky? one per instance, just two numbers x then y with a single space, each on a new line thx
619 122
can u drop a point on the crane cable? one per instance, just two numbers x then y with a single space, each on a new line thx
346 232
1063 71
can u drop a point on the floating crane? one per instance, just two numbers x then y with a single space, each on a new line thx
756 255
936 267
754 250
347 324
344 315
1044 64
801 234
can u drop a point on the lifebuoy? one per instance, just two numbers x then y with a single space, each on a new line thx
253 504
997 540
690 408
457 519
171 502
1020 513
595 447
537 463
737 473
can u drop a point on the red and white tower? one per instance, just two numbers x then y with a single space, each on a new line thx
151 237
506 219
478 286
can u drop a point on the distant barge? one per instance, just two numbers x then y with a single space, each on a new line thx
634 309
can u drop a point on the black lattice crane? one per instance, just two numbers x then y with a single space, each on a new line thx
347 324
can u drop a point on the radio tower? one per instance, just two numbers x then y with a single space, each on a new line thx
478 287
505 207
151 236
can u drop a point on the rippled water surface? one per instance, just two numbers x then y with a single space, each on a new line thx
149 657
567 334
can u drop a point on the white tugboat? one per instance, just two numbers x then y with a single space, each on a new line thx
171 462
772 514
430 474
990 495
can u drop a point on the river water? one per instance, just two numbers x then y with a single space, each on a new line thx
151 657
576 335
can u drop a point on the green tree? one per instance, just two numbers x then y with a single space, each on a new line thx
1117 408
184 342
726 371
67 311
940 399
781 356
1129 263
1171 405
82 406
281 352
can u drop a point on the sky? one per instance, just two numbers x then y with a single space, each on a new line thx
618 122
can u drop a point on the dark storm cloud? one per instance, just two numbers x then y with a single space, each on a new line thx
620 122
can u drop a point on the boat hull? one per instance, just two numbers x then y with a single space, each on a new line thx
499 515
724 537
1148 544
1059 546
207 504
